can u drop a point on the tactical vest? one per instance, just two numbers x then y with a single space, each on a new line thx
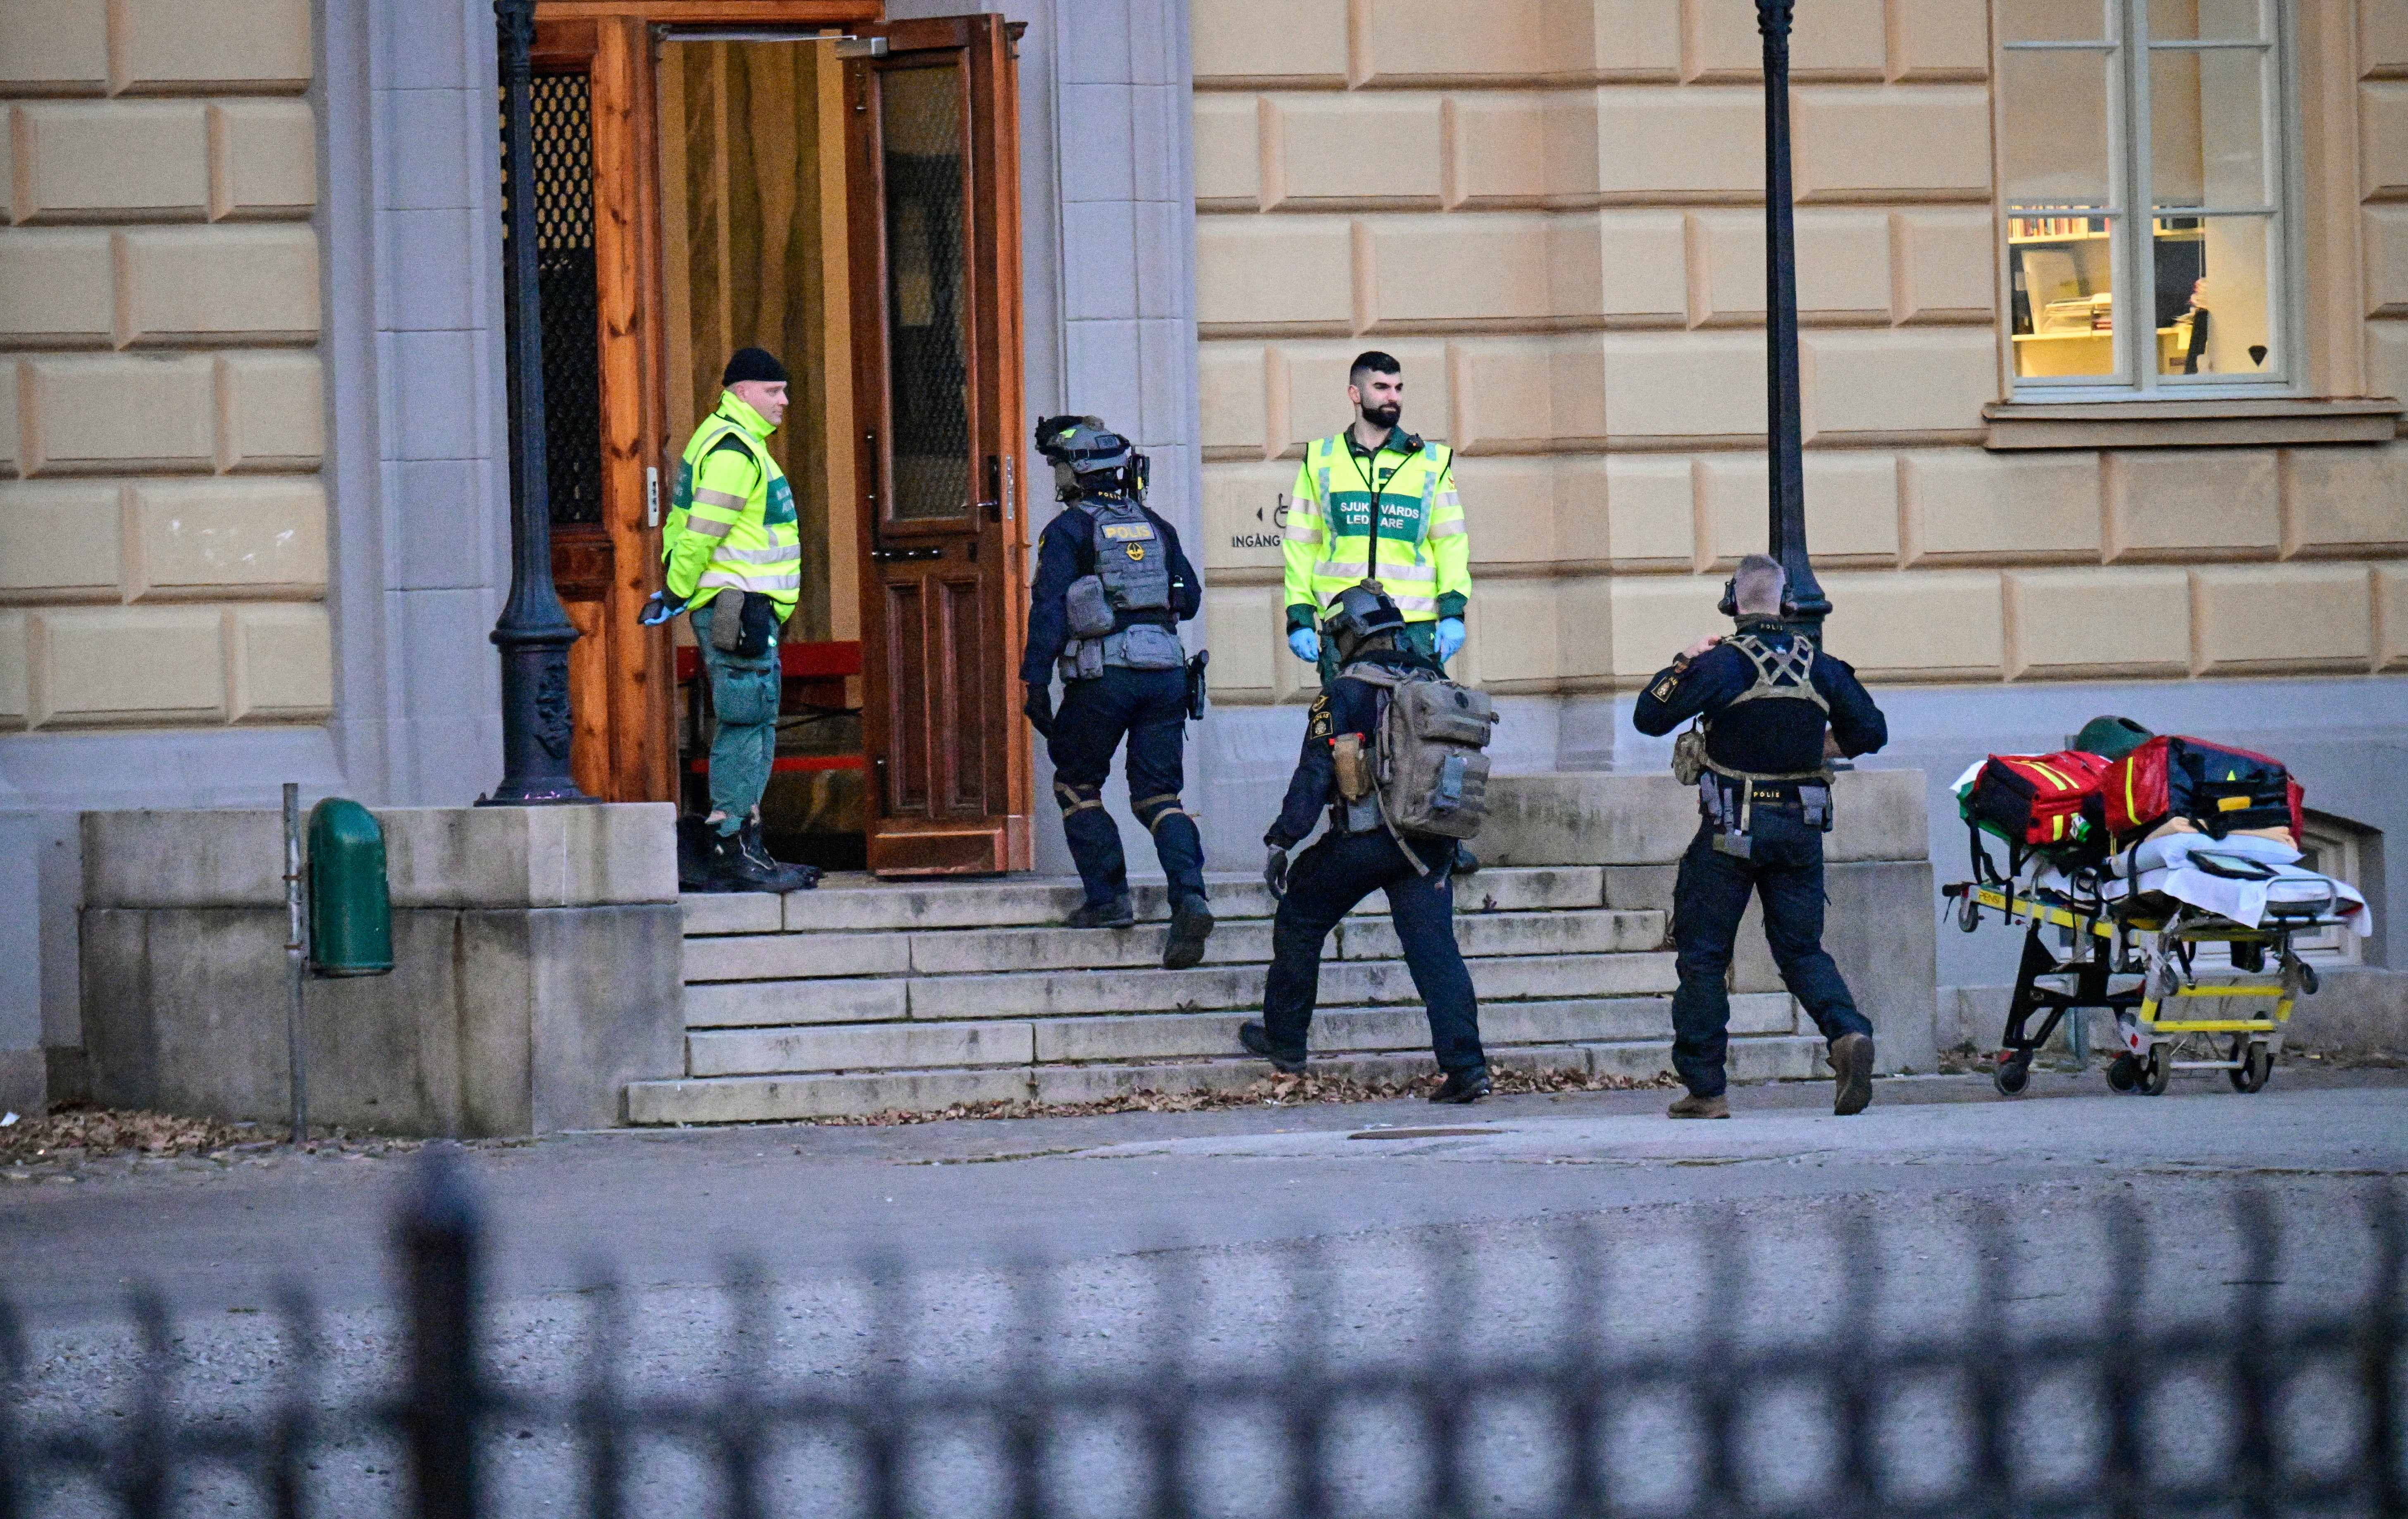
1122 614
1781 675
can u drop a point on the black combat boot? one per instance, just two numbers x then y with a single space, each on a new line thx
1257 1038
755 849
1191 925
1463 1086
1120 912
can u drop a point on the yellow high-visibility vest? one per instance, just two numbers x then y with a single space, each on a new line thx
1392 517
732 516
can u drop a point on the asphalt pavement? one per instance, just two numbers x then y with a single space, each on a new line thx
1384 1232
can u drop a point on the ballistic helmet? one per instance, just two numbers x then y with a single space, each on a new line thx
1090 459
1359 614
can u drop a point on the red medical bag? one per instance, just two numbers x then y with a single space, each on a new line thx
2216 786
2043 802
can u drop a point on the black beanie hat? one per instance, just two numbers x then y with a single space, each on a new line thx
754 363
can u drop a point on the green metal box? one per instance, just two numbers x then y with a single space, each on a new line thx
351 911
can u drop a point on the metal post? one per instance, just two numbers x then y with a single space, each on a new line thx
533 633
1787 538
296 962
438 1236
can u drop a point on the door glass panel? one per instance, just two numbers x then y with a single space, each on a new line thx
561 120
2058 137
2207 21
2054 21
2062 273
2214 316
2207 127
920 122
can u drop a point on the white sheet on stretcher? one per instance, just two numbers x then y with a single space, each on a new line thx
2164 865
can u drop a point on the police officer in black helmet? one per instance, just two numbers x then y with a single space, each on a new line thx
1111 589
1766 696
1361 854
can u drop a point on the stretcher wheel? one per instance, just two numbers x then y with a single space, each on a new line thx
2013 1073
2257 1064
2158 1072
2124 1074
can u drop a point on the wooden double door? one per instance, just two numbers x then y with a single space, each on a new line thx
801 176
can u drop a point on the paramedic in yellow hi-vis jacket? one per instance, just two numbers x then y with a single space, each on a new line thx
1374 502
735 558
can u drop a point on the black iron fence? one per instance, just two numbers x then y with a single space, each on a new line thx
2245 1410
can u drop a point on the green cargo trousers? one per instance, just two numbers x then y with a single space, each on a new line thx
744 697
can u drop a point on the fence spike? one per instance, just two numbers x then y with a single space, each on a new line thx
439 1235
599 1416
146 1456
1851 1346
1581 1386
1715 1385
2254 1456
2124 1363
1024 1421
1993 1374
2379 1357
13 1360
297 1413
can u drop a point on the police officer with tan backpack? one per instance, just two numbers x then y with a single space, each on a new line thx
1393 751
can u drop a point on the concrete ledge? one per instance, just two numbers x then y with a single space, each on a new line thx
604 854
494 1022
1645 819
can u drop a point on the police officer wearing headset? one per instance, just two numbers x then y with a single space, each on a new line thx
1773 707
1359 855
1111 589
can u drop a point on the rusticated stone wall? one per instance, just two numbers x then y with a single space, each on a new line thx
1551 212
163 529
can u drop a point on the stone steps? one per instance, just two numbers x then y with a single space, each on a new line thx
868 996
762 1098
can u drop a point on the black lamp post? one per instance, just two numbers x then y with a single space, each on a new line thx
1787 539
533 633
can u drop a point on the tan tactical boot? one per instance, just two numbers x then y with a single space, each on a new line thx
1700 1108
1852 1063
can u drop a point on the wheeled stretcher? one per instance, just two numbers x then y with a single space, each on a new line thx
2125 937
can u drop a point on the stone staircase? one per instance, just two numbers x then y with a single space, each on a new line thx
866 996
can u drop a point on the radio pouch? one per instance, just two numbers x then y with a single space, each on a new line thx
1354 780
758 626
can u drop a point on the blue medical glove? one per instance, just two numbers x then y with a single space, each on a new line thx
1307 644
1450 637
659 608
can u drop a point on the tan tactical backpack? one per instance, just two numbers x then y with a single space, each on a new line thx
1429 768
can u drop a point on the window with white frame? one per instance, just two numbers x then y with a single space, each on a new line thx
2330 847
2145 149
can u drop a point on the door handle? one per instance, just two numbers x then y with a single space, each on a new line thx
993 505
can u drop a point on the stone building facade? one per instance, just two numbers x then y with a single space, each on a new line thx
253 429
1551 213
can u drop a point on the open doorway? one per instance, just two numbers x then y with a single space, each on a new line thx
754 251
848 197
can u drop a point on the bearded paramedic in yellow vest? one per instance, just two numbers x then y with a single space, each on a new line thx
1375 502
734 558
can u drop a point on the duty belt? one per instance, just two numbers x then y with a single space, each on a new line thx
1730 800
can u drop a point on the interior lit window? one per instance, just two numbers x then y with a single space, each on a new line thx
2143 145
